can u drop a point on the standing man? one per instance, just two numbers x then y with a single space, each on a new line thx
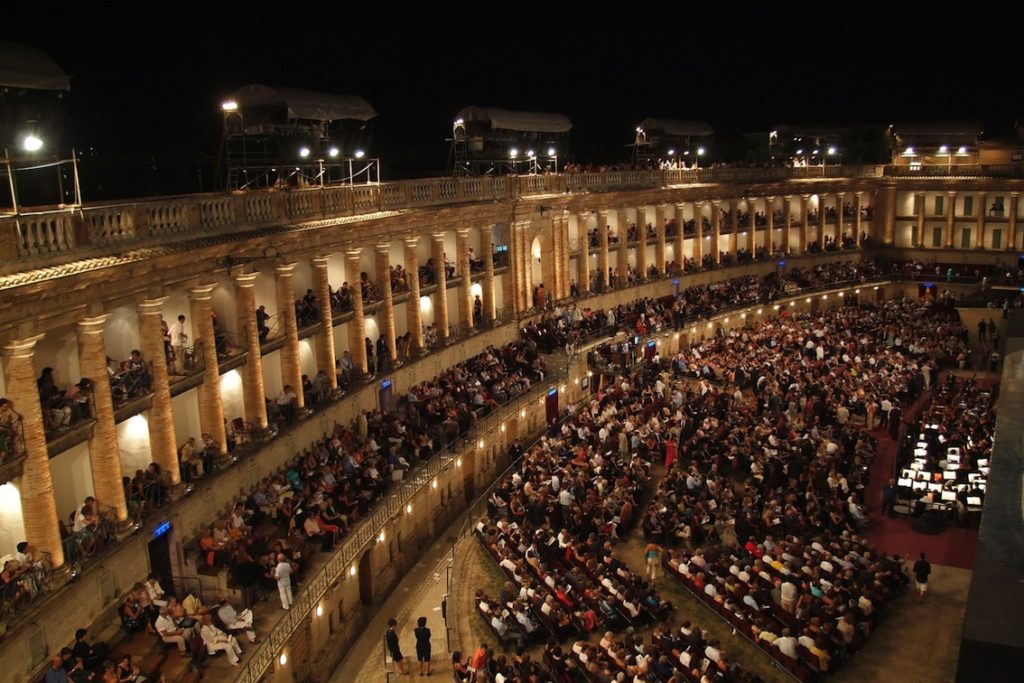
888 496
653 555
261 323
283 574
922 568
179 338
391 641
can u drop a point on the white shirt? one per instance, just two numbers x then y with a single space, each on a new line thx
178 334
154 590
786 645
283 572
164 624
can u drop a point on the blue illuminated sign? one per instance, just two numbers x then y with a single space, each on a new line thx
161 529
385 384
552 392
650 344
782 264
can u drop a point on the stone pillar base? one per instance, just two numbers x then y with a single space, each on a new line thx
177 491
124 529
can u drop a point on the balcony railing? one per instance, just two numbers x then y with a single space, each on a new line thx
957 171
50 236
12 445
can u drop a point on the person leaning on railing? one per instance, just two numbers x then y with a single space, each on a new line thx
9 430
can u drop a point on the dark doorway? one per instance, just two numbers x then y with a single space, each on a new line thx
366 579
160 556
650 349
386 397
469 475
551 406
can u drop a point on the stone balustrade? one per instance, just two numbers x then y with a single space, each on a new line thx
48 237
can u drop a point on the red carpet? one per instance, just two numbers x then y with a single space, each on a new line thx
953 547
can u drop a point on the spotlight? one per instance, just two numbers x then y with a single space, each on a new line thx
304 152
333 152
229 105
360 154
31 143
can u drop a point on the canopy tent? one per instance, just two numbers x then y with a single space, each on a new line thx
677 128
306 104
928 128
520 121
23 66
808 130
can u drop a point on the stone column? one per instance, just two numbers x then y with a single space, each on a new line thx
734 236
104 453
839 218
441 293
950 218
716 230
918 240
622 257
413 317
698 234
547 264
659 231
466 284
387 311
253 391
162 442
769 228
38 505
641 247
291 368
563 254
584 263
520 265
602 254
787 208
211 407
982 213
325 353
553 286
357 325
488 288
886 199
804 227
1011 229
821 221
679 256
752 226
858 222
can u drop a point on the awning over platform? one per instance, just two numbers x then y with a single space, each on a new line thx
678 128
522 121
23 66
306 104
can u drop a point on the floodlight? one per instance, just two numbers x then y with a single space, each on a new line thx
31 143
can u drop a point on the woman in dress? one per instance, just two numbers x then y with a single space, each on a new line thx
422 634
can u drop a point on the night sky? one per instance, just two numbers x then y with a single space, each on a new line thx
147 79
